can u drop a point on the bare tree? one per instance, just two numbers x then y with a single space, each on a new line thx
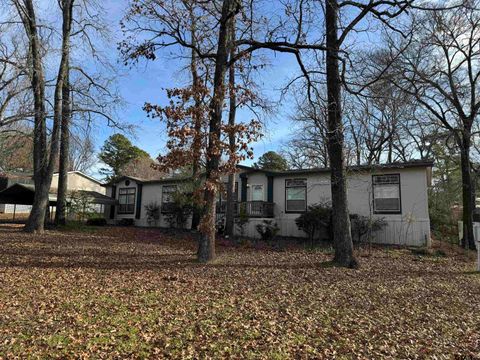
82 154
441 69
43 158
64 111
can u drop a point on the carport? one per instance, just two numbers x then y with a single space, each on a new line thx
23 194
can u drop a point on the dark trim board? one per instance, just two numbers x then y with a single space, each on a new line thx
112 208
138 210
270 189
243 190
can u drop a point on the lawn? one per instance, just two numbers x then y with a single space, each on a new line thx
138 293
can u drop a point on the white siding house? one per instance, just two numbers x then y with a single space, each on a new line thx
395 192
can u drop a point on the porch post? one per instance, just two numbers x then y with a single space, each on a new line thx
270 189
243 190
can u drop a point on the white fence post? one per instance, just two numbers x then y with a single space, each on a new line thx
476 235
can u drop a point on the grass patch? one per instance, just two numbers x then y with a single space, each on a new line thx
77 226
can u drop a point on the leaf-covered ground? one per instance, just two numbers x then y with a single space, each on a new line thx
138 293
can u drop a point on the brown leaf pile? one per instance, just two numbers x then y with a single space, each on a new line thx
138 293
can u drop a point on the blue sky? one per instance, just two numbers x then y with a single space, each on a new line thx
146 81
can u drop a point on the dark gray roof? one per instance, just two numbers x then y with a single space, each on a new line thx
22 194
373 167
146 181
98 198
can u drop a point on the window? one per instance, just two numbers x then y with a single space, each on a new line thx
167 193
257 192
126 200
295 195
386 194
167 197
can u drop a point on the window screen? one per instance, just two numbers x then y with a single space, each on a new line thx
386 193
167 193
295 195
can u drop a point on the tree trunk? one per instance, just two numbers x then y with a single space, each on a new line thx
342 237
230 211
60 213
197 142
43 175
36 219
206 245
468 240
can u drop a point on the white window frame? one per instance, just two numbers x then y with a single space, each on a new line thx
387 180
293 186
251 192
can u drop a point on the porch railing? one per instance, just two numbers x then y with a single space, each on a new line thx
260 209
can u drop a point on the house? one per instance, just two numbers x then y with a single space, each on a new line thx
17 190
394 192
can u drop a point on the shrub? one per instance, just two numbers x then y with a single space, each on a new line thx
316 218
220 225
126 222
97 222
365 225
319 217
242 220
179 209
152 211
268 230
80 206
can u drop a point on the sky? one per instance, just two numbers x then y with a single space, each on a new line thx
146 83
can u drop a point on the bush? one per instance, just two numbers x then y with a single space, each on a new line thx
319 217
242 220
80 206
316 218
126 222
365 225
152 211
268 230
97 222
179 209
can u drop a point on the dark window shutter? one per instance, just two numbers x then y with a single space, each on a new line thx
138 212
270 189
243 193
112 207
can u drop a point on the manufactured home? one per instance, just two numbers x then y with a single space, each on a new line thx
397 193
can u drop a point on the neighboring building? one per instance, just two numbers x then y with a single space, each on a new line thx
77 181
395 192
8 179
